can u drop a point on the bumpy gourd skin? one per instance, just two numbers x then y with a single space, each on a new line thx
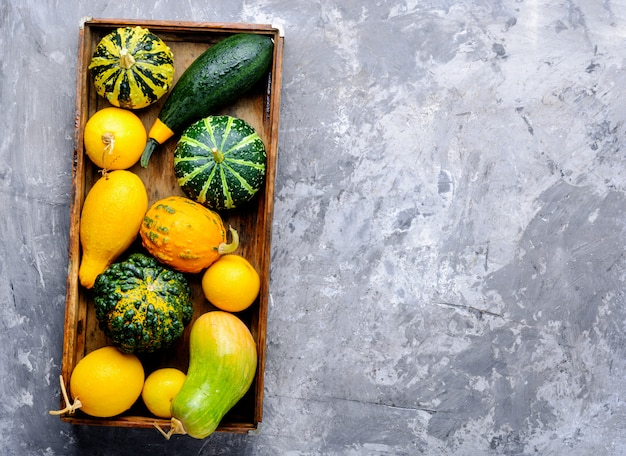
141 305
185 235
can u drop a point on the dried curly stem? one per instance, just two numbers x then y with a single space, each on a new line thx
176 428
69 408
108 139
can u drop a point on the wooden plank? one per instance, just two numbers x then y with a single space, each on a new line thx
261 108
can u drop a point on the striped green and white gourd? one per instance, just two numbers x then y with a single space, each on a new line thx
220 162
132 67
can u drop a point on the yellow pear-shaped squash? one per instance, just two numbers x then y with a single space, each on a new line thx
110 221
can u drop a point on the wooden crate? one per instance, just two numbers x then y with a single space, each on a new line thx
253 222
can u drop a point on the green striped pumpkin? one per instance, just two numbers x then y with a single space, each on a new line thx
219 161
132 67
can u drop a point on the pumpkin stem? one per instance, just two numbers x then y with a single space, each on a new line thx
225 248
217 155
176 428
69 408
147 151
126 59
108 138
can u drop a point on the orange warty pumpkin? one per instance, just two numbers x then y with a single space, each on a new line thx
185 235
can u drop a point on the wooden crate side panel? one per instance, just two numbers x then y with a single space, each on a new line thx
73 319
273 115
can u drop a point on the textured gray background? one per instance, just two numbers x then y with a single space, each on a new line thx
448 248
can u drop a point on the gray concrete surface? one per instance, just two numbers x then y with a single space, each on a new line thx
448 248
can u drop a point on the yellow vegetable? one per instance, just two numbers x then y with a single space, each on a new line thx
160 388
110 221
104 383
114 138
231 283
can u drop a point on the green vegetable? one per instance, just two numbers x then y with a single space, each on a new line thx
219 161
222 366
141 305
216 78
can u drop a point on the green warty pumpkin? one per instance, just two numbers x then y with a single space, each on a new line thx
142 305
132 67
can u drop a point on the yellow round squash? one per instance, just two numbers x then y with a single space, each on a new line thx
185 235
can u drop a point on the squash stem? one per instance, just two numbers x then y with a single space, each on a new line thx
147 151
217 155
69 407
225 248
176 428
108 139
126 59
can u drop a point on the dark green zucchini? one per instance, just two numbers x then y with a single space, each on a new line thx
215 79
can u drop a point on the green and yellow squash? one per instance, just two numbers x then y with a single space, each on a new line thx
142 305
220 161
222 367
132 67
